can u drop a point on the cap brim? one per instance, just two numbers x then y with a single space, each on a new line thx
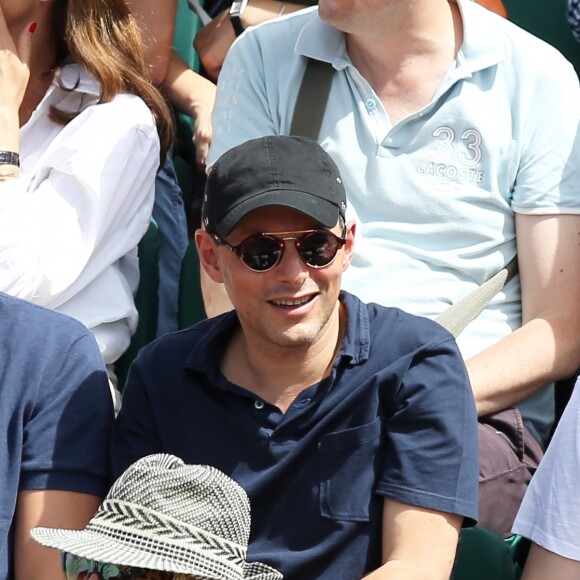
320 209
94 546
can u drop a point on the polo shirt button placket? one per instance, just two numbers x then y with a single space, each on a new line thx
371 105
258 404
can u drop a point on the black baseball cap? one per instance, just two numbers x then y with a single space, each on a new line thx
293 172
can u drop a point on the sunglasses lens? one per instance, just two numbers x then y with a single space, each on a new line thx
319 248
260 253
77 568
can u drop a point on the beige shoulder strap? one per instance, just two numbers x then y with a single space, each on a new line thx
460 314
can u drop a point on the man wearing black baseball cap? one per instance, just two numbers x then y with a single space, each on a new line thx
351 426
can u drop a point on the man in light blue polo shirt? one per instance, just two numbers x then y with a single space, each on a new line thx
453 130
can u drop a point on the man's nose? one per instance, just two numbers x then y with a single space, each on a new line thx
291 269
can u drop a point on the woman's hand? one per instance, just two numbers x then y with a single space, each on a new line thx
193 95
14 75
14 64
201 108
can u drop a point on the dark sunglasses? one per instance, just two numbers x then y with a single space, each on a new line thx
261 252
77 568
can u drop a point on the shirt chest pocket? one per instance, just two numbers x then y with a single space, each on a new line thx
348 463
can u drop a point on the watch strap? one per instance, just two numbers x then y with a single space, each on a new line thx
9 158
237 10
237 24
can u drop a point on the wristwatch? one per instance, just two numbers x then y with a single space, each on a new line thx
237 10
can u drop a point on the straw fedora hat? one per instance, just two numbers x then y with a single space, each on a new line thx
162 514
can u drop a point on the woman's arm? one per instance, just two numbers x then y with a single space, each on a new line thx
542 564
213 41
193 95
14 75
187 91
156 20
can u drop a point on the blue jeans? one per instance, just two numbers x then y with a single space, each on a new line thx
169 213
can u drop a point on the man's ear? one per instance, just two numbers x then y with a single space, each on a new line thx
349 244
208 255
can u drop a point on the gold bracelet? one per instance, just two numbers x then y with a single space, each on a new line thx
9 172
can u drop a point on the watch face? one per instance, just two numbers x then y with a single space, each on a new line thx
235 8
236 11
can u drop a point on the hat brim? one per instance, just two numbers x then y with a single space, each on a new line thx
94 546
318 208
260 571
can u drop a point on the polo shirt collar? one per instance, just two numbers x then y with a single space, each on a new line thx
356 342
484 41
323 42
207 354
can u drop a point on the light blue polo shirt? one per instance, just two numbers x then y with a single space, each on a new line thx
434 196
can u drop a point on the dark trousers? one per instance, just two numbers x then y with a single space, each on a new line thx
509 456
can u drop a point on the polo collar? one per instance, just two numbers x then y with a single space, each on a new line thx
320 41
356 342
485 43
206 356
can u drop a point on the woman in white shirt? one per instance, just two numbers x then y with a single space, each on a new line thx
81 134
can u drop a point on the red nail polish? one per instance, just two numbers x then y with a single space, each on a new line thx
32 28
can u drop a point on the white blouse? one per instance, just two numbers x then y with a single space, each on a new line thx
70 224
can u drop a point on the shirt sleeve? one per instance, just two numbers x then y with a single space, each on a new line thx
549 141
550 511
242 108
432 454
87 205
67 432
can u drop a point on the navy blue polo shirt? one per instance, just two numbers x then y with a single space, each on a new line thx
396 418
